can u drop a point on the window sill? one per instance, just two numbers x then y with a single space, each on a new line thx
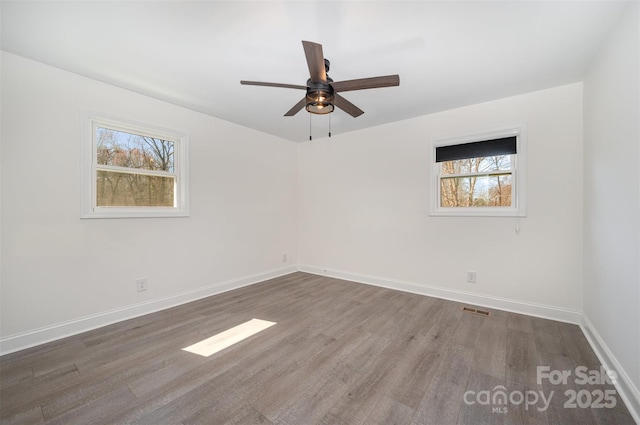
134 213
477 212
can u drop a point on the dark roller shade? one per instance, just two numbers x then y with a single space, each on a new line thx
504 146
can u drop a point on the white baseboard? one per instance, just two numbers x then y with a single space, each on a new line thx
35 337
531 309
628 391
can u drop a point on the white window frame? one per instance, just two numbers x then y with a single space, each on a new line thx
518 164
89 208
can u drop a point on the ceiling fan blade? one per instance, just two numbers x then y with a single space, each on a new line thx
315 61
346 106
297 107
259 83
366 83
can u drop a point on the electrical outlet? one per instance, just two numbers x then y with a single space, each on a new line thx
141 285
471 277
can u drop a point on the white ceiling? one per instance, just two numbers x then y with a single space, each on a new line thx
194 54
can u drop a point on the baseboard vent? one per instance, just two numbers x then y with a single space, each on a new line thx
476 311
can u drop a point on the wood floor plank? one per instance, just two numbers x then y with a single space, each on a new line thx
32 416
534 412
491 348
363 394
519 322
443 399
577 347
33 393
341 353
474 411
384 322
547 336
15 374
521 358
54 357
389 411
612 417
316 400
433 330
468 330
581 355
282 398
247 415
558 413
415 375
224 370
206 404
95 411
269 389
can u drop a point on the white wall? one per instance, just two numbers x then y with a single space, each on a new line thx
363 208
58 268
612 198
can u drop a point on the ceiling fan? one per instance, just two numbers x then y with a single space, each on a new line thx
322 92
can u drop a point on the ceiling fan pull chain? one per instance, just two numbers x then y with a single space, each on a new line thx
310 138
329 125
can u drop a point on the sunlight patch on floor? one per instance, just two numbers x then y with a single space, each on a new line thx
226 339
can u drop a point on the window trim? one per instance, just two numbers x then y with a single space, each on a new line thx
88 178
518 164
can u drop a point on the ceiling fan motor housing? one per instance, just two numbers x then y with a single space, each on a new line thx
320 97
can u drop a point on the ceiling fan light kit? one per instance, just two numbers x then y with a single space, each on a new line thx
322 92
320 98
319 102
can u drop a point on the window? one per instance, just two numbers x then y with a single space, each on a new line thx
133 170
479 175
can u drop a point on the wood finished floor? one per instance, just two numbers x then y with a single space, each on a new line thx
341 353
